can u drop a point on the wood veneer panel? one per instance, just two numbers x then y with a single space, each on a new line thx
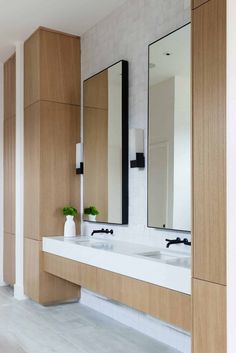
9 174
59 184
72 271
96 160
196 3
51 133
170 306
10 87
52 129
134 293
9 258
109 284
9 168
96 91
209 317
52 67
32 268
32 69
209 141
32 171
59 67
40 286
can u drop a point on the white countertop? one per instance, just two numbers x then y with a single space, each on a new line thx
167 269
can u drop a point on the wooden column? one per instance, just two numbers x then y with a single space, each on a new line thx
9 168
52 129
209 176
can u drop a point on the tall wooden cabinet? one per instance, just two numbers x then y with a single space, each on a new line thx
9 168
52 129
209 176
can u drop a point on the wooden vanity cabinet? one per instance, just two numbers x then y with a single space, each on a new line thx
9 169
167 305
52 129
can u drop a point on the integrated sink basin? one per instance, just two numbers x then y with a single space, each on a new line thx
146 263
95 243
174 259
157 255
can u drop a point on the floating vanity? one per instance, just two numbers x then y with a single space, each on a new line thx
152 280
157 266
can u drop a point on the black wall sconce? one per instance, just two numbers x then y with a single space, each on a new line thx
79 159
80 170
137 148
139 162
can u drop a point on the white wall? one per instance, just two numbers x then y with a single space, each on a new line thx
126 34
1 173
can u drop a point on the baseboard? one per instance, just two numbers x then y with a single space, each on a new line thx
141 322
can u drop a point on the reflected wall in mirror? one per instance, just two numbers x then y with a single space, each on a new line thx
169 141
106 143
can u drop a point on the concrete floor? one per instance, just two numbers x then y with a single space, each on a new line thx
26 327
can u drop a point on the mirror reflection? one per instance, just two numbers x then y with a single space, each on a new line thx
106 145
169 143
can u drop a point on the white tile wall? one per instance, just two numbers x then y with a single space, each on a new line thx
126 34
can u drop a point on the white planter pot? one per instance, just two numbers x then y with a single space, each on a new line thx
91 218
69 228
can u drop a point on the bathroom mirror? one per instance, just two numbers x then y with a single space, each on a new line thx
169 133
105 134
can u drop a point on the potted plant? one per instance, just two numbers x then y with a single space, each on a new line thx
69 227
91 212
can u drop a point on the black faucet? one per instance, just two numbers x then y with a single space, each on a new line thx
186 242
106 231
174 241
178 241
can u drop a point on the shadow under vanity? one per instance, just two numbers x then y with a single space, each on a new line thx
154 280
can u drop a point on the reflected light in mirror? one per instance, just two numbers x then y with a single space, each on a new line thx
169 142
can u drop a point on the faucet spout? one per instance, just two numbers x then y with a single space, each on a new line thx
177 241
105 231
174 241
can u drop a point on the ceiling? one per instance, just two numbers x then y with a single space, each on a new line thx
177 63
19 18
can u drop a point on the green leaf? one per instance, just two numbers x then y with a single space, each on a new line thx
91 210
69 211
